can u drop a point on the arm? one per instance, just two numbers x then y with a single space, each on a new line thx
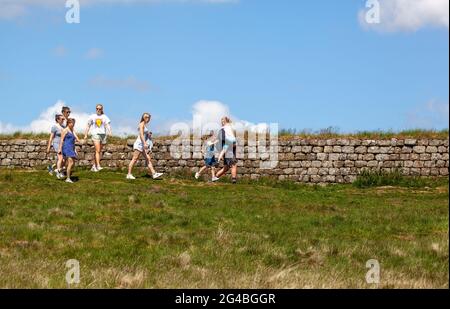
108 128
76 137
87 129
50 140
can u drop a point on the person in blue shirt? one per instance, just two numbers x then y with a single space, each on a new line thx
209 153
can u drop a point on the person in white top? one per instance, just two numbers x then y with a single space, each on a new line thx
228 153
101 127
143 145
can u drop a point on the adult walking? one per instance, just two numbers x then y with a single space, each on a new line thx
101 127
65 111
53 142
67 147
142 146
227 139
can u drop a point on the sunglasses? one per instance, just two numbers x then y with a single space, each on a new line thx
67 112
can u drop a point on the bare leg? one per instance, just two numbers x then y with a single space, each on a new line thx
98 153
234 171
69 167
202 170
213 172
222 171
59 163
148 160
136 155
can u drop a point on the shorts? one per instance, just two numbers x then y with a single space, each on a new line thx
230 157
55 147
229 162
99 138
139 146
210 162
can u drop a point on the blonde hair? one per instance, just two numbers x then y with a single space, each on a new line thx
226 119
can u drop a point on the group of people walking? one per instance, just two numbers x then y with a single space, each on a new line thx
63 138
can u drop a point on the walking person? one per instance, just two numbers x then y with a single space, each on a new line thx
143 145
100 124
67 147
54 141
65 111
209 153
227 139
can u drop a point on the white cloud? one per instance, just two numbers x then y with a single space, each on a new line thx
130 82
409 15
94 53
207 115
44 122
431 115
210 113
12 9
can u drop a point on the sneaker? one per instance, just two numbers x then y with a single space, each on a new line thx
50 170
215 179
99 168
130 177
157 175
68 180
234 181
197 175
94 169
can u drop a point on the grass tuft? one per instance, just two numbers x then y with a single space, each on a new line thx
379 178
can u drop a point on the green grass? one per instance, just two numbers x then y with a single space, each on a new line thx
286 133
332 132
180 233
378 178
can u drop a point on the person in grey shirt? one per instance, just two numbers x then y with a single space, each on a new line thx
53 142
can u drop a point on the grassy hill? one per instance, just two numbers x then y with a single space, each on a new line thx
180 233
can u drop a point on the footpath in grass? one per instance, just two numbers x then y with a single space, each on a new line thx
182 233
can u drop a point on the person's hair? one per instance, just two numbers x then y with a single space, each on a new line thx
209 135
226 119
57 116
65 109
101 106
71 120
143 116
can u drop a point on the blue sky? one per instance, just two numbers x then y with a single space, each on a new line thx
303 64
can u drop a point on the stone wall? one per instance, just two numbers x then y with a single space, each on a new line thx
303 160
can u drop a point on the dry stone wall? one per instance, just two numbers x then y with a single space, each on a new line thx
303 160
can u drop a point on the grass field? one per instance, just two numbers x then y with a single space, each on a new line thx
179 233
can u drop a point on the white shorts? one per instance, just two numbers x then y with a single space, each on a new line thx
139 146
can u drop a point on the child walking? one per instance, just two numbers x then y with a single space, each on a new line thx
67 147
209 152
